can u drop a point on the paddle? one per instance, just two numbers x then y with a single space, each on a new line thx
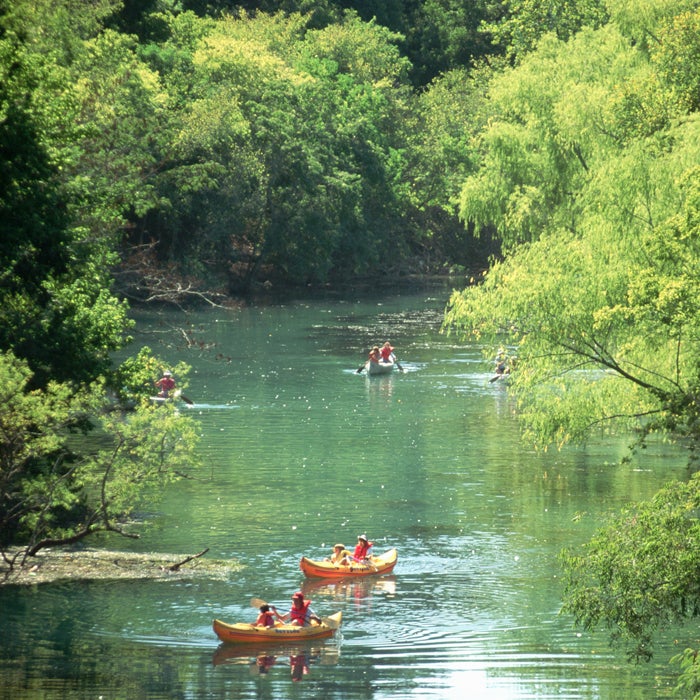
329 622
361 367
398 364
178 394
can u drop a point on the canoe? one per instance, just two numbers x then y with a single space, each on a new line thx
177 394
381 564
381 367
244 632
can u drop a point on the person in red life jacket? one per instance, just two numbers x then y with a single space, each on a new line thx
166 384
361 552
387 352
265 618
300 613
374 354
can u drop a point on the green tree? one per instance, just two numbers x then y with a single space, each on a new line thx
639 575
614 308
677 56
54 294
77 109
551 121
641 20
56 486
445 35
441 136
522 23
595 189
599 204
286 156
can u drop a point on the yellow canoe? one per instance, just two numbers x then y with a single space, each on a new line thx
246 632
381 564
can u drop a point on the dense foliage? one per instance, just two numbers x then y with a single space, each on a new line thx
640 572
287 154
70 175
157 150
590 174
58 488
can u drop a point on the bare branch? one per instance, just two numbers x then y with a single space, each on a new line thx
143 279
176 567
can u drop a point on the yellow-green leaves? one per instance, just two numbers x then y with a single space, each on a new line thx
58 485
639 573
591 182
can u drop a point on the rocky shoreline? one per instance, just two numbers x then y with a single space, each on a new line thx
51 565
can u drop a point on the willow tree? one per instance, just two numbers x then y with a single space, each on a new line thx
602 314
521 23
590 174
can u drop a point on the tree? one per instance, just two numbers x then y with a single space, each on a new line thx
444 35
551 122
600 207
286 150
640 20
522 23
76 111
677 55
595 190
55 488
55 293
640 574
441 136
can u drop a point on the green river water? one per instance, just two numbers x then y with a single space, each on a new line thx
299 452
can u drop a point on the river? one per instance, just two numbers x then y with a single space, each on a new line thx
300 452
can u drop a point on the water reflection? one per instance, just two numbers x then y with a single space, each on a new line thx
260 660
380 389
361 591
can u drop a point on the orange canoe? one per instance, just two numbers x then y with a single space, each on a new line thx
382 564
243 632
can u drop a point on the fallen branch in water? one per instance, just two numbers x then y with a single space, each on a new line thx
176 567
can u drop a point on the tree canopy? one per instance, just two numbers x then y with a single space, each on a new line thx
640 572
598 212
162 151
72 165
589 173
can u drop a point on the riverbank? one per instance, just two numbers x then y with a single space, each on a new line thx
51 565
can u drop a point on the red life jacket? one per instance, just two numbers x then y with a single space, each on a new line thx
361 550
300 614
